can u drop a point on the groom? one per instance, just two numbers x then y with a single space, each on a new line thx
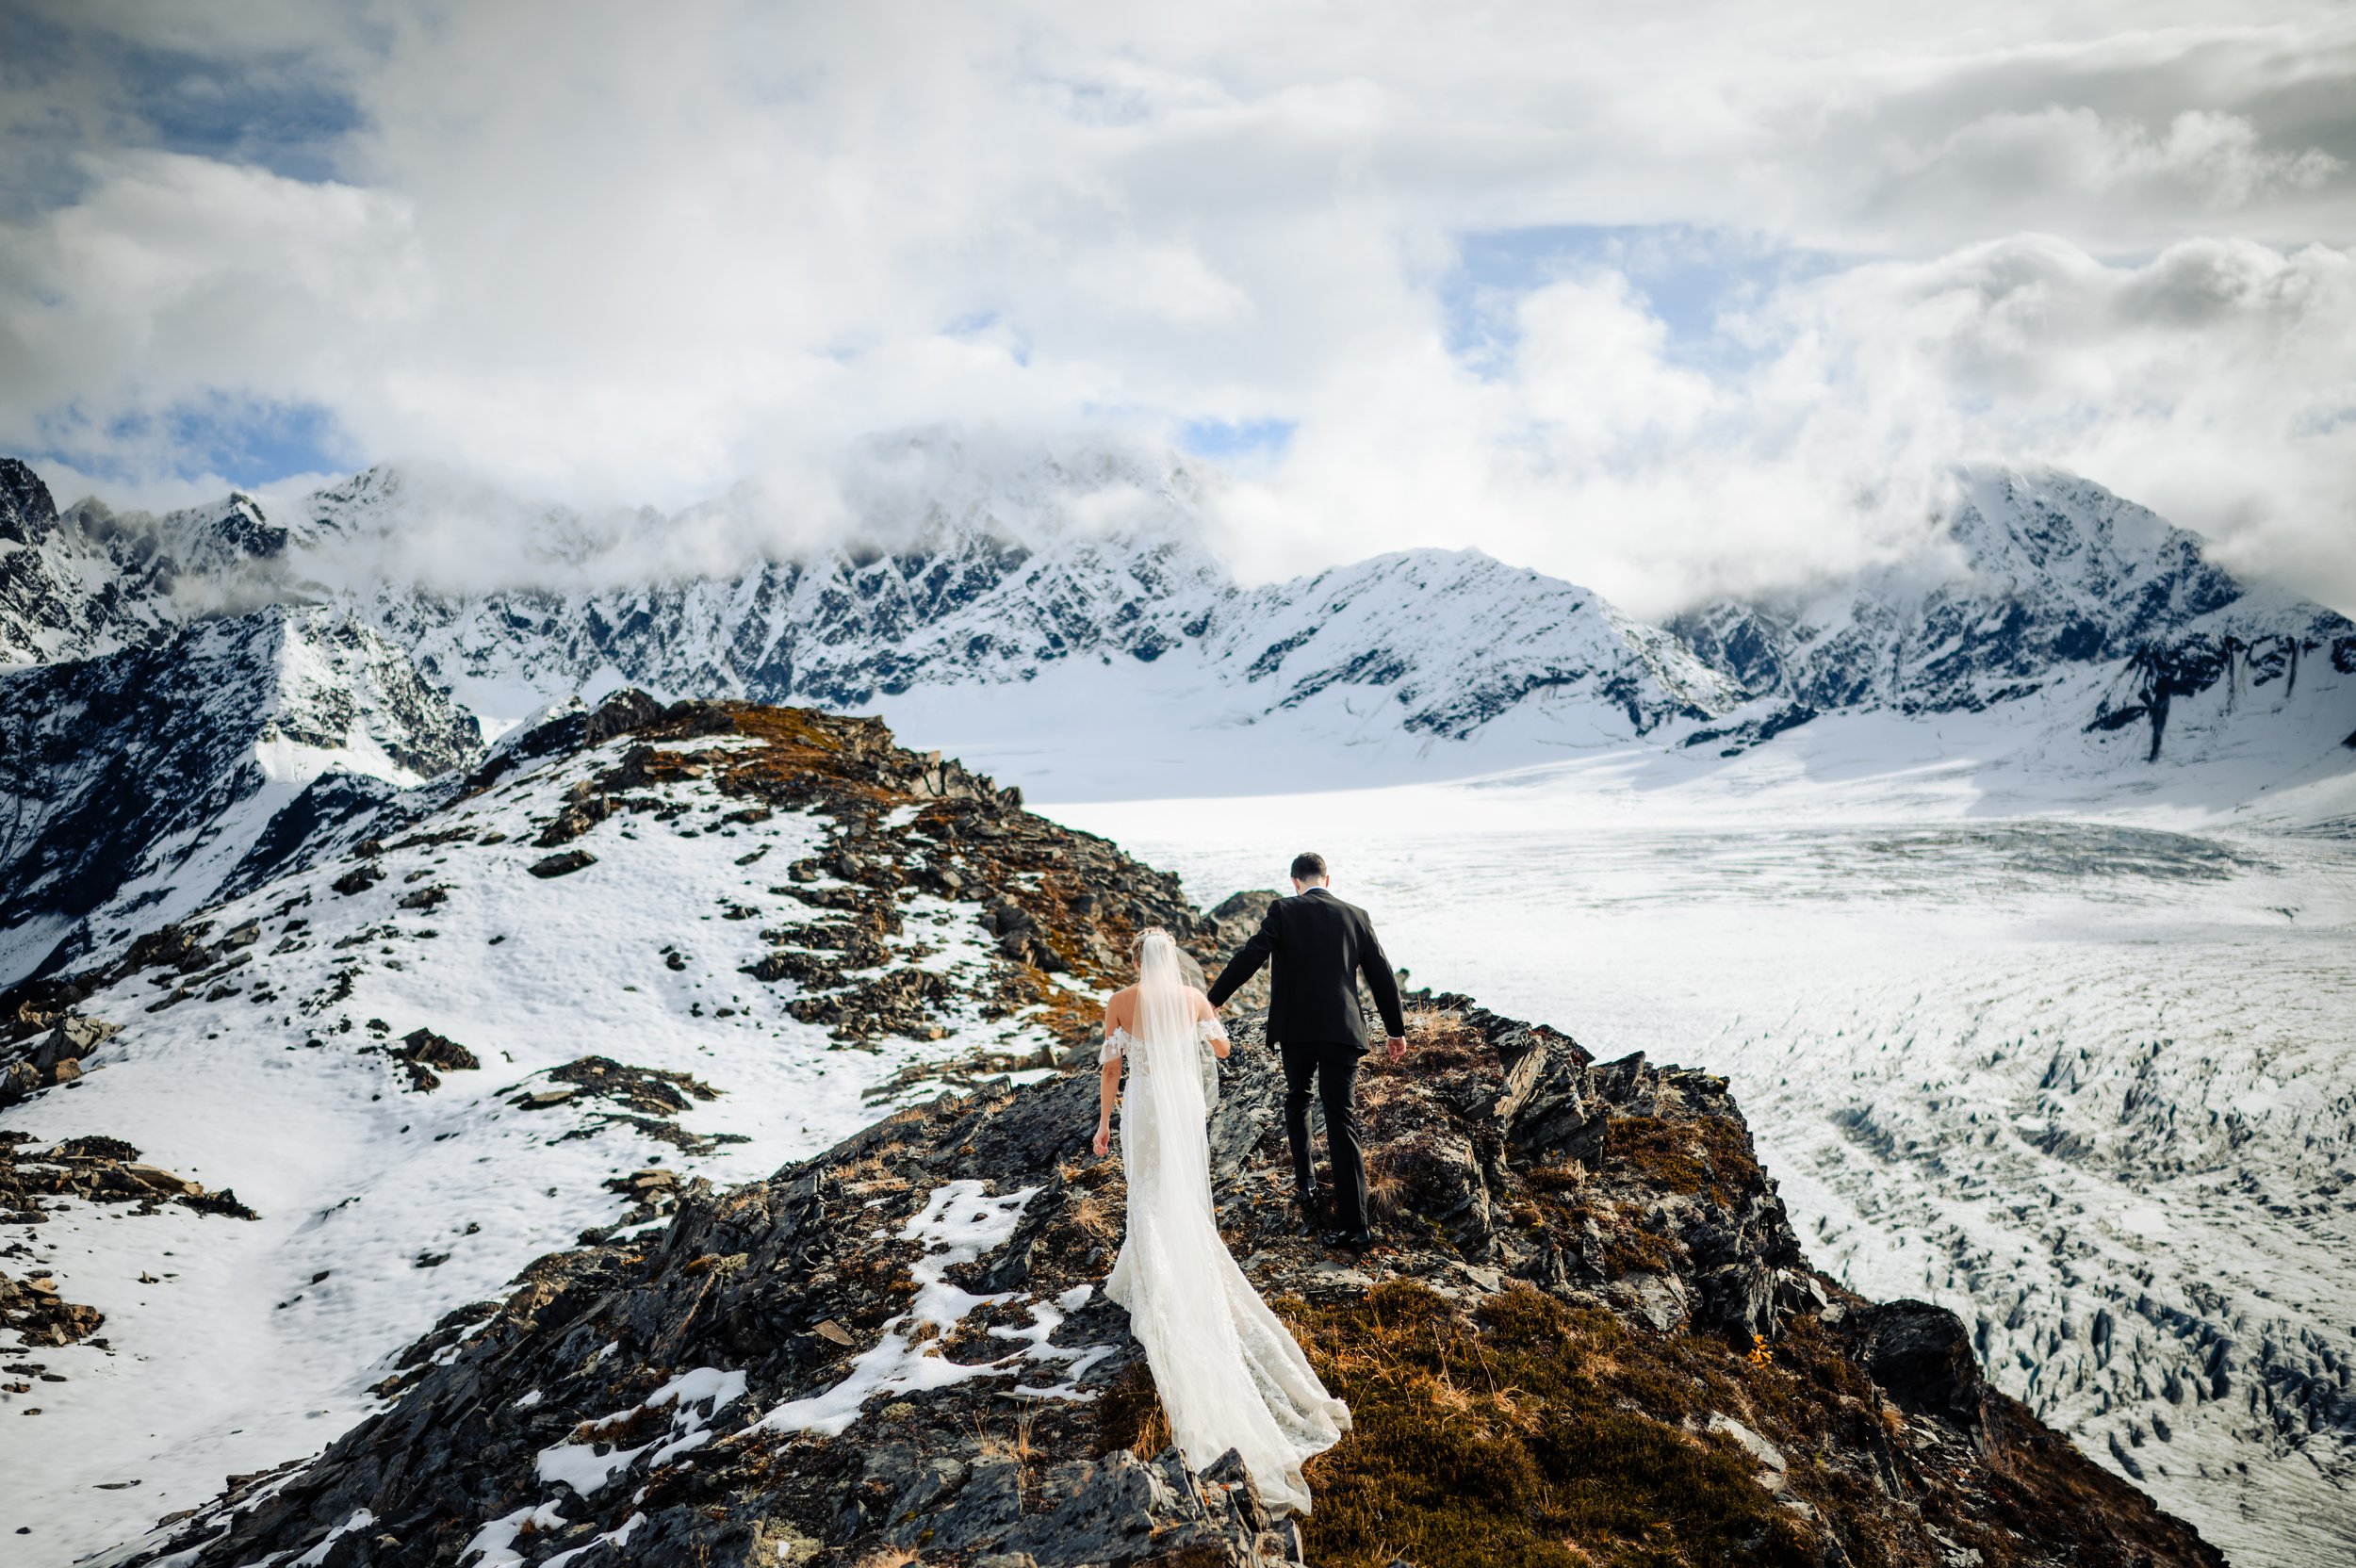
1321 945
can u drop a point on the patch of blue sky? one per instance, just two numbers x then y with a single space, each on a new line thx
992 326
1691 279
278 113
1236 443
38 141
250 442
89 87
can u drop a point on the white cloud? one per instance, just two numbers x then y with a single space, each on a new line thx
611 255
2053 166
2213 382
1166 282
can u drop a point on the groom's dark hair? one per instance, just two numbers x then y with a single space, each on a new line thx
1306 864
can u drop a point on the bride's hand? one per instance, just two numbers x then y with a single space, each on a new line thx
1104 1140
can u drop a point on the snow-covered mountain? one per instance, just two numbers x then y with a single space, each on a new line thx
973 584
1058 616
139 785
2035 578
87 581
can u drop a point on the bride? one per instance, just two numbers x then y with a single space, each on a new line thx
1230 1375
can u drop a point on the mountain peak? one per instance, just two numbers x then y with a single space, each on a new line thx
146 782
2040 530
2030 575
27 512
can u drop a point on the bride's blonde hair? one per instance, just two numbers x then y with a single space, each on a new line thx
1189 972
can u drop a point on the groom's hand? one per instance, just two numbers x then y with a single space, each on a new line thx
1398 1049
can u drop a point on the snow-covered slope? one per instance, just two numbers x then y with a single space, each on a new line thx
140 784
617 903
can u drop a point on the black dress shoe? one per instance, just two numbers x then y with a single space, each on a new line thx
1352 1241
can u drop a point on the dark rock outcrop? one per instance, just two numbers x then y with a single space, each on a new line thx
96 1170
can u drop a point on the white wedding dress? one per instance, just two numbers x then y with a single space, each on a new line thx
1229 1373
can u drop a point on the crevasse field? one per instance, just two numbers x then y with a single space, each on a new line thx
2088 1078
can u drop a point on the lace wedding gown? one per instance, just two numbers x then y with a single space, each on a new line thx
1229 1374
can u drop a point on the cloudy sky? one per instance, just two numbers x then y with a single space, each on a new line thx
1668 299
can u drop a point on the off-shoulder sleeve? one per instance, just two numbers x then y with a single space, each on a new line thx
1116 1047
1212 1029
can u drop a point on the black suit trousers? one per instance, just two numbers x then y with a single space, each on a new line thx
1335 1069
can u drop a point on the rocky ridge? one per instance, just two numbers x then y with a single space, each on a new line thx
1590 1336
635 946
1599 1235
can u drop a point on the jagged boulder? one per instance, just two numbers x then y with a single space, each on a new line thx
42 1060
1921 1357
422 1052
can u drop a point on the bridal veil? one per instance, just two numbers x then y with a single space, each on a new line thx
1229 1373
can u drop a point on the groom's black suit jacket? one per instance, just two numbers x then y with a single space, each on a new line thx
1319 945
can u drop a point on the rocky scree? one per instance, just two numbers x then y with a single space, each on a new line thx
94 1169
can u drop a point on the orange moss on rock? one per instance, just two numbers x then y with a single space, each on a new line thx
1502 1435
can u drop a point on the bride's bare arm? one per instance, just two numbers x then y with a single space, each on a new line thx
1108 1096
1108 1076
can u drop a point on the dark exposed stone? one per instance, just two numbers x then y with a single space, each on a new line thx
422 1051
1923 1356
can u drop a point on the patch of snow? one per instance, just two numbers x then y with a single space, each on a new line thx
318 1554
959 1223
694 1396
493 1544
617 1538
